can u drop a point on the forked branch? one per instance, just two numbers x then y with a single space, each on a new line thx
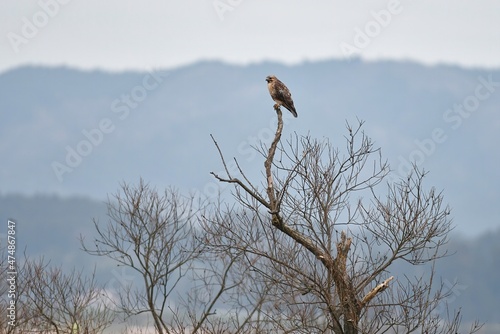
230 179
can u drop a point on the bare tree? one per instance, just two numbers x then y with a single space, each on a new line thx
15 313
325 242
183 285
47 300
63 303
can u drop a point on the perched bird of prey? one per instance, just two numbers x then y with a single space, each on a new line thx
280 94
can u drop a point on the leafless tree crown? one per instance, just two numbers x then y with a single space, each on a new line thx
324 240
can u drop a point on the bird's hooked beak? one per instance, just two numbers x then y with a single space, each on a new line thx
269 79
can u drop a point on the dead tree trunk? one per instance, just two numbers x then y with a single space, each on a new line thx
342 268
350 304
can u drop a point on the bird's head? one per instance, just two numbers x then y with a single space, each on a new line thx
270 78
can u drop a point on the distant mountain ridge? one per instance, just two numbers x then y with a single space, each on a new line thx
71 132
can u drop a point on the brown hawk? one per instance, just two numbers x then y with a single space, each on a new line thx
280 94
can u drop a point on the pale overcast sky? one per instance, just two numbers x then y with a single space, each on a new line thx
126 34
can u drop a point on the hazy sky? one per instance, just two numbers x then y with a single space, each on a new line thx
125 34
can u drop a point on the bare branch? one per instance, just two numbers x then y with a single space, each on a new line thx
379 288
